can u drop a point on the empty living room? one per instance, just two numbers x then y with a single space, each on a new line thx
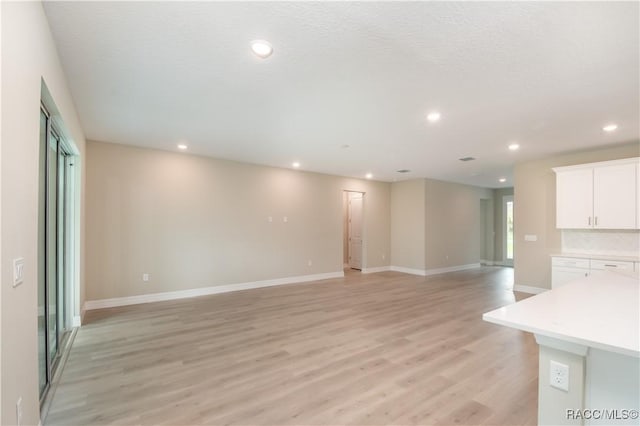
319 213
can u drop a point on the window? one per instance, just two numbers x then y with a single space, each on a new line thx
507 230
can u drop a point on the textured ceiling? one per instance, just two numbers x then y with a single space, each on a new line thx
547 75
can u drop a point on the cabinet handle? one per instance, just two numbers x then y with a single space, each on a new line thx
589 220
610 266
596 221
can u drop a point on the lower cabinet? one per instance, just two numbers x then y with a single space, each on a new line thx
567 269
599 265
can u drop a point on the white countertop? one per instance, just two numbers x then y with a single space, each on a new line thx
598 257
600 311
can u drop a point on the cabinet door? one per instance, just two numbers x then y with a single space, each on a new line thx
561 276
574 199
614 196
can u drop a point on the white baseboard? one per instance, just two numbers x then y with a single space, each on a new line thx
76 321
204 291
452 269
435 271
493 263
529 289
376 269
411 271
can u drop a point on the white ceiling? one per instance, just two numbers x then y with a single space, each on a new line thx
547 75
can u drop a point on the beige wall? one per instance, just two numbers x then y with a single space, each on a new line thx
28 57
498 226
453 227
535 210
194 222
408 224
436 224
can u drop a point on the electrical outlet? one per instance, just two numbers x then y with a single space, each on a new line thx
145 277
19 412
559 375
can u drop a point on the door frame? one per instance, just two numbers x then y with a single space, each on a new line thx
363 259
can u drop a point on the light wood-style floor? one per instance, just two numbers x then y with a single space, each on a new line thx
375 349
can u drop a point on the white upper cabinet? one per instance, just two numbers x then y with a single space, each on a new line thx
614 197
574 199
598 195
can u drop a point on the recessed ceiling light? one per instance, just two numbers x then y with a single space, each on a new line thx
433 116
514 147
295 165
262 48
368 175
182 146
610 127
502 180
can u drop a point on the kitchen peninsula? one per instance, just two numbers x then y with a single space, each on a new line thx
589 336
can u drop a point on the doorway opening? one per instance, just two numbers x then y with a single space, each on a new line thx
487 234
353 205
507 226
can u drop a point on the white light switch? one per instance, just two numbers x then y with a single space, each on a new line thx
285 219
18 271
530 237
145 277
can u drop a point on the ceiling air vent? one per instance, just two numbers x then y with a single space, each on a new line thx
403 171
467 159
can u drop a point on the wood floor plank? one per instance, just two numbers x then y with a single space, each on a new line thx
375 349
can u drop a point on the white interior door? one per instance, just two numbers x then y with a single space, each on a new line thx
355 230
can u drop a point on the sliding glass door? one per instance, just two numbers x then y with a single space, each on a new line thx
42 250
53 322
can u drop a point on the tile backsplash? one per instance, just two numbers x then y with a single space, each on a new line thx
621 243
